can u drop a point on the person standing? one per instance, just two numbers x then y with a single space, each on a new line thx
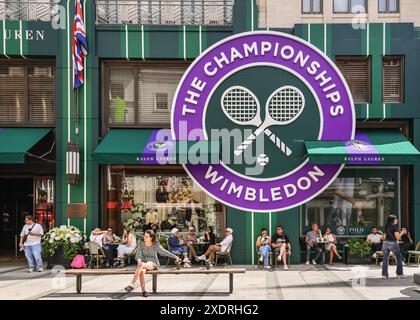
390 244
30 241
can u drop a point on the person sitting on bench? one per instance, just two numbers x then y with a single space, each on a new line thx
147 260
221 247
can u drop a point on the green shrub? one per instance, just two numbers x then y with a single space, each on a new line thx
358 247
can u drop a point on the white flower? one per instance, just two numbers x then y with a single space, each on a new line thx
63 227
73 240
52 235
57 238
51 240
68 235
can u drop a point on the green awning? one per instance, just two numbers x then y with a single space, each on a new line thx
370 146
146 146
16 142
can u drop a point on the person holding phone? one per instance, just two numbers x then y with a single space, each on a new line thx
30 242
264 248
390 244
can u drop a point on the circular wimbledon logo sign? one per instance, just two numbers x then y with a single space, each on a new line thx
263 94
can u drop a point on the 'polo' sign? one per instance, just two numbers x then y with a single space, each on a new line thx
262 94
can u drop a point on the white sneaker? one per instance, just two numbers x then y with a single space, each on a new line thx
403 263
267 267
211 264
314 262
186 260
286 267
202 258
40 270
187 265
279 258
307 262
30 270
261 258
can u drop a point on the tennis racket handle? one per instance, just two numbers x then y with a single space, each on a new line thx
278 142
244 145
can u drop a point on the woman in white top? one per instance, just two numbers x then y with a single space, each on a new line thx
330 245
97 235
127 246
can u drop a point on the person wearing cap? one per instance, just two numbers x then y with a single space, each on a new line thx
220 247
177 246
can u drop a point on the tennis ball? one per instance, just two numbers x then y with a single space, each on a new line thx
263 159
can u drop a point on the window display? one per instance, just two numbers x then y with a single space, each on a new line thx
359 199
44 201
167 201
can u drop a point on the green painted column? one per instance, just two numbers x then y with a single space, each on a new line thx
87 122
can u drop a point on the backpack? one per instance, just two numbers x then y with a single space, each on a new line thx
78 262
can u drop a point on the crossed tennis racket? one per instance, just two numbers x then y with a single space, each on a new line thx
283 107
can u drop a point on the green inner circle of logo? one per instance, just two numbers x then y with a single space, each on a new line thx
262 82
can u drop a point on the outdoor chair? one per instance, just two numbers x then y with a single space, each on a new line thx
414 254
170 250
96 253
226 255
132 254
380 255
288 257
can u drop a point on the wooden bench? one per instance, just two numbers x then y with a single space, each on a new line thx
101 272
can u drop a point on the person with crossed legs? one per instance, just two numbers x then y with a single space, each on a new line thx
221 247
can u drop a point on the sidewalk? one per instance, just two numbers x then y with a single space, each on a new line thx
299 282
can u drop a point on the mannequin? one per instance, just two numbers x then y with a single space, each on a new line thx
162 197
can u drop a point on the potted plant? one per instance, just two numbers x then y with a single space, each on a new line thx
61 244
359 252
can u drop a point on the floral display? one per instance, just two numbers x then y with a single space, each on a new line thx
70 239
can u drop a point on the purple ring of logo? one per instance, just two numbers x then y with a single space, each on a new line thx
334 128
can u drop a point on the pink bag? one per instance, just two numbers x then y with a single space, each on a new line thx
78 262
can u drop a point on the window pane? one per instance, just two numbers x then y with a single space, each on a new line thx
382 5
341 5
357 200
393 6
356 73
306 6
358 6
156 92
392 73
12 95
41 94
316 6
121 96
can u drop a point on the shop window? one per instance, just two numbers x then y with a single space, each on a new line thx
27 94
359 199
356 70
389 6
44 201
350 6
168 201
393 71
141 96
312 6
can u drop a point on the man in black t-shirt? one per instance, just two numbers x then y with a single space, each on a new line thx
281 246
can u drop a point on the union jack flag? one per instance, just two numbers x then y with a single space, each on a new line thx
79 45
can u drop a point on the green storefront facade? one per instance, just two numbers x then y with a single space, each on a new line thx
130 43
